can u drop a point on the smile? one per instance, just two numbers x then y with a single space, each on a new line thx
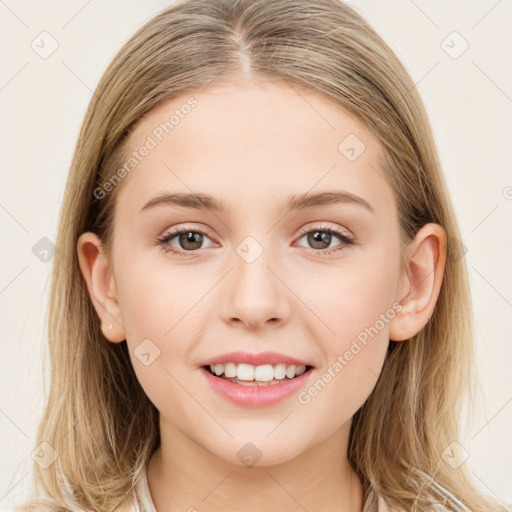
269 387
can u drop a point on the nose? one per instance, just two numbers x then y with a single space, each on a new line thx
256 294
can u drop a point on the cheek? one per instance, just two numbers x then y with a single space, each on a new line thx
358 310
169 307
356 301
161 313
355 305
155 300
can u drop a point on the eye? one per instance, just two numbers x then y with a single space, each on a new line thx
321 237
189 239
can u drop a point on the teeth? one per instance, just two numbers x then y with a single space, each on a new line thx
262 373
280 371
230 370
245 372
290 371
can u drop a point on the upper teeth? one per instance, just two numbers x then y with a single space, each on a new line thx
264 372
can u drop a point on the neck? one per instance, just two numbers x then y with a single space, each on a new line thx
182 475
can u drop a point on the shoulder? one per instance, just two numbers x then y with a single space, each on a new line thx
129 504
139 498
384 507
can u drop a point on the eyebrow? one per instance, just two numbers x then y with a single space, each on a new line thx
199 201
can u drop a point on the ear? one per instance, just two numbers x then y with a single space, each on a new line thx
420 282
98 274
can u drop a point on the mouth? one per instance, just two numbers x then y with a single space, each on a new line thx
257 376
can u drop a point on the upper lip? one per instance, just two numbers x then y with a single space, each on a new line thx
254 359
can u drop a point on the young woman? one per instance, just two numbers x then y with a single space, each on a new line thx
258 300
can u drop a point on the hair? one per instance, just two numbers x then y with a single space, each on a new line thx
97 416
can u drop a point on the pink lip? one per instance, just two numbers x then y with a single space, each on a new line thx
256 396
254 359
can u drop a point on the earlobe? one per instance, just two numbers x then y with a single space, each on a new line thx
421 281
106 330
98 275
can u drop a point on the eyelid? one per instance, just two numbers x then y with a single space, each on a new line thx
327 227
345 237
342 234
163 241
302 231
179 228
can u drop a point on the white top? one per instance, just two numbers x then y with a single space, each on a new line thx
140 499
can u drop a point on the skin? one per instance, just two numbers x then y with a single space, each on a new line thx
252 146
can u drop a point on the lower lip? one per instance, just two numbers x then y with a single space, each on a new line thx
256 396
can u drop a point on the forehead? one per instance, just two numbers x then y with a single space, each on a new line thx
252 146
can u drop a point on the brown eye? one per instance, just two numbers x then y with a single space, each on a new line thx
188 240
319 240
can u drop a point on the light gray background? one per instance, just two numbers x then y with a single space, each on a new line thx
469 101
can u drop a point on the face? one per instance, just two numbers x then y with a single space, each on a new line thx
319 283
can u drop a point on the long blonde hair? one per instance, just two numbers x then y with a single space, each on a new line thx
97 417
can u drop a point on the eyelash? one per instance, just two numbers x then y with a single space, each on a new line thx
164 240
